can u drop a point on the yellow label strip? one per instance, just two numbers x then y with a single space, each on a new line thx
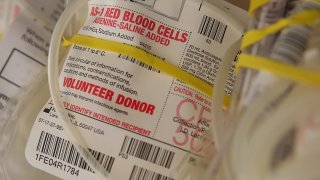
284 70
144 57
308 17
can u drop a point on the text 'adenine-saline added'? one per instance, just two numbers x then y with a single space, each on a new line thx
134 22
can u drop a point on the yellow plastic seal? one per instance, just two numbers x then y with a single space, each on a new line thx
284 70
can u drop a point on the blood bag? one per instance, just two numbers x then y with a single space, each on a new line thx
137 121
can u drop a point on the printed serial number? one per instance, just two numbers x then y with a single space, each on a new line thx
57 164
51 124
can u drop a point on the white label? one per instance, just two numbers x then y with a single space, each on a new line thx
25 47
23 54
137 118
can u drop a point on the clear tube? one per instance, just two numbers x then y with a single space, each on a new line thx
220 134
219 93
219 129
53 74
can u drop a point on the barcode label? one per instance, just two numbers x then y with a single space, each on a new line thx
147 152
64 150
139 173
212 29
135 61
291 44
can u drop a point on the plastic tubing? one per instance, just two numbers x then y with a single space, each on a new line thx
222 75
269 133
219 93
53 75
218 100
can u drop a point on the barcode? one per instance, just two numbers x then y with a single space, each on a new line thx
135 61
64 150
212 29
147 152
291 44
139 173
